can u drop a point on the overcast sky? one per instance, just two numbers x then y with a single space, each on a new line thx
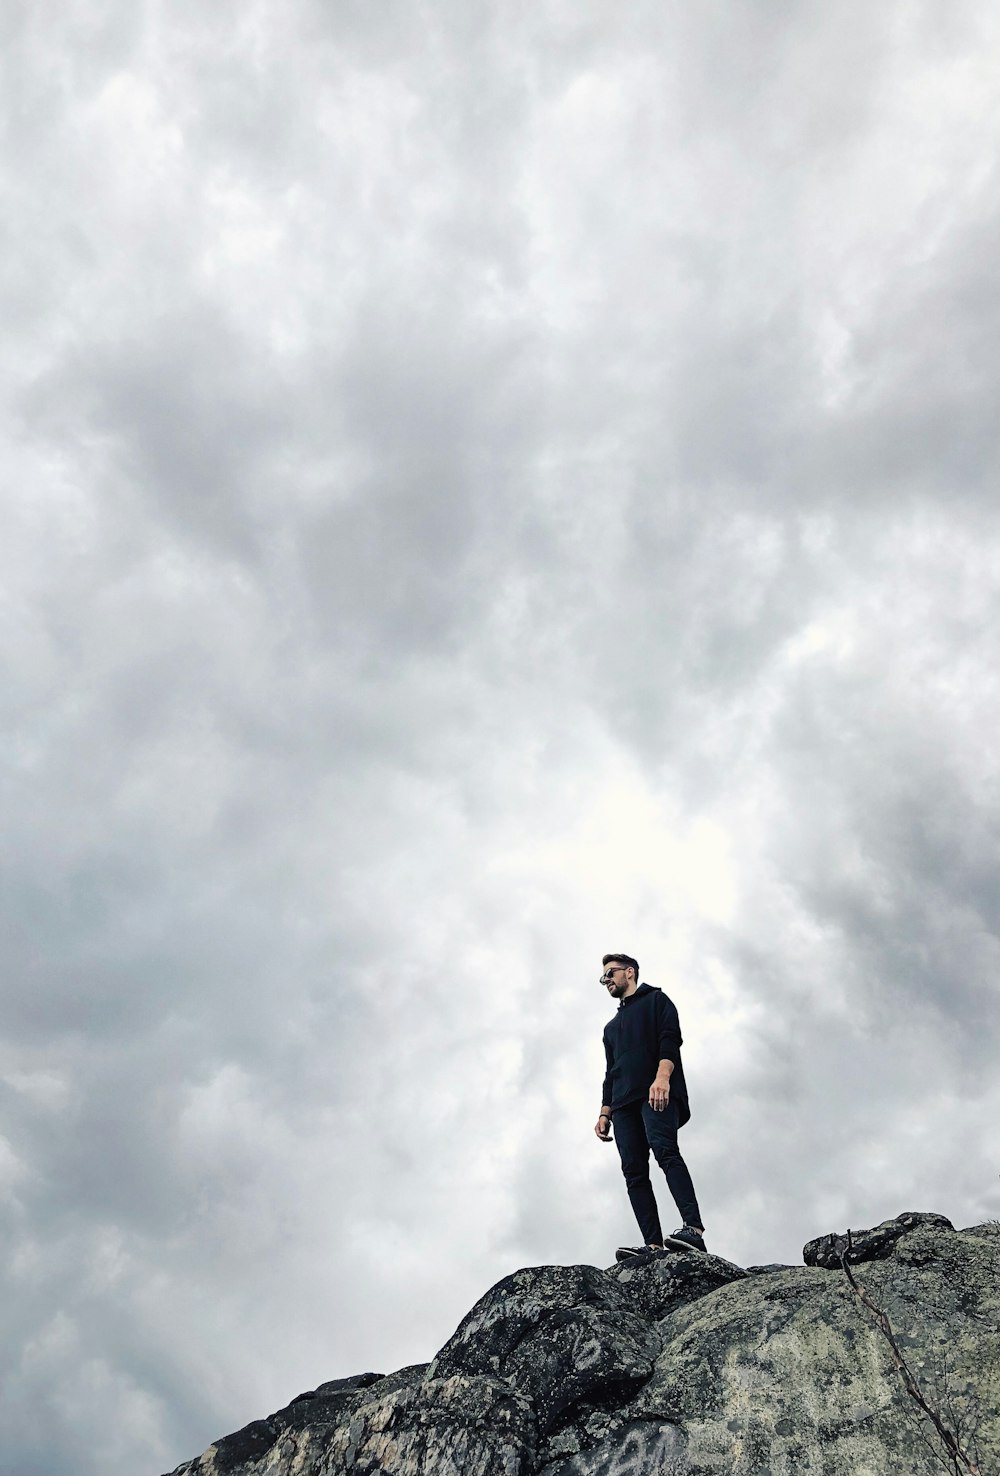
484 485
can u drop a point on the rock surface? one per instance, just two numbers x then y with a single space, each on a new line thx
686 1366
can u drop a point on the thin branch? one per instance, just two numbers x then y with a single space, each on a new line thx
958 1458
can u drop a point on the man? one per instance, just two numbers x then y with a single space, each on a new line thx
645 1096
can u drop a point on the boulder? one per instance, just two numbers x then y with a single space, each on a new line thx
788 1372
560 1334
684 1366
868 1245
477 1426
671 1281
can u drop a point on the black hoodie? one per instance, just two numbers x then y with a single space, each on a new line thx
644 1031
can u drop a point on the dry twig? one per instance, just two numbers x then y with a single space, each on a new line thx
959 1459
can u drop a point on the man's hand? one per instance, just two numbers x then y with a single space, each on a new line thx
602 1127
659 1092
659 1095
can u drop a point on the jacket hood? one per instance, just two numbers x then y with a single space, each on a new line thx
642 989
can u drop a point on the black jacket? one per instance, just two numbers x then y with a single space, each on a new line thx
644 1031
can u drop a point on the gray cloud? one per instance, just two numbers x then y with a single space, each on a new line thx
480 489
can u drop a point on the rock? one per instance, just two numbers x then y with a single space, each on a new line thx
868 1245
235 1453
683 1367
559 1334
323 1408
629 1448
787 1372
340 1386
476 1426
672 1280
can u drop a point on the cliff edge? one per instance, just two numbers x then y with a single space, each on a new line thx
685 1366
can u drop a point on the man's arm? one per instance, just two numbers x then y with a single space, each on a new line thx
659 1092
668 1032
602 1127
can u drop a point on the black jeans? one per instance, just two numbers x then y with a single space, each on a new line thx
638 1128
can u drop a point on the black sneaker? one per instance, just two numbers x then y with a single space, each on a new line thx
686 1239
637 1255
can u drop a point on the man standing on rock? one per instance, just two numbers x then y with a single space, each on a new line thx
645 1096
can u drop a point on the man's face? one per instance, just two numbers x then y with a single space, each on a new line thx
616 978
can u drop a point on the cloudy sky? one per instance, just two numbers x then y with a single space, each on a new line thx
484 485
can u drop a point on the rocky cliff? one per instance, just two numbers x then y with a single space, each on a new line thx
687 1364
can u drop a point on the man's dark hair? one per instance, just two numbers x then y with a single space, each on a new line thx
623 959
